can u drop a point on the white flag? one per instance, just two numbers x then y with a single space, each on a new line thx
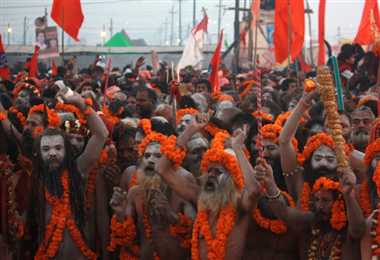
192 54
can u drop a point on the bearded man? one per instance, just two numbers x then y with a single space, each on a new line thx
196 147
185 117
224 199
361 119
331 226
152 215
56 217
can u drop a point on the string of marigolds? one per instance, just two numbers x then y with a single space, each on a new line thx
327 93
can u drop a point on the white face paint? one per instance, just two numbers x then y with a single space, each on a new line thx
325 157
186 120
152 155
52 151
196 148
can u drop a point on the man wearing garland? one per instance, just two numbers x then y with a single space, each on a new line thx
56 217
152 221
226 197
332 225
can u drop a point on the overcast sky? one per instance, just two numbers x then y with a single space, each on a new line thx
150 19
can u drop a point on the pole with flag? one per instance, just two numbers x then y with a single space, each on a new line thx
4 69
33 67
214 63
107 73
193 52
369 23
321 33
255 13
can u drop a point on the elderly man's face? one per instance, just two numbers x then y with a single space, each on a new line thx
324 162
152 155
361 127
186 120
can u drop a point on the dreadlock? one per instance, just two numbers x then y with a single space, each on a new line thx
42 181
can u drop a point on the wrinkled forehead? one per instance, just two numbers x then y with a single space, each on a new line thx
363 113
197 143
52 140
324 150
153 147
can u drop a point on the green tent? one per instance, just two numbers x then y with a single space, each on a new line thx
120 39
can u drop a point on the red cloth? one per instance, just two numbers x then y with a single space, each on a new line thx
215 61
255 11
68 15
321 32
370 21
285 12
54 69
33 65
4 69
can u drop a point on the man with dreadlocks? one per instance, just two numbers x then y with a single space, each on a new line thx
225 199
332 225
56 216
152 221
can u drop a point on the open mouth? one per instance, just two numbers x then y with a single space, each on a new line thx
149 169
210 185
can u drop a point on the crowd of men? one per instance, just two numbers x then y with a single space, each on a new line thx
136 163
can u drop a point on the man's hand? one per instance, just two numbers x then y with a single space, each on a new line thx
118 202
239 137
160 211
75 99
308 98
347 180
140 61
201 120
163 165
112 174
264 175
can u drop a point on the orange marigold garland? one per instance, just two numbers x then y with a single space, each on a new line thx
20 116
281 119
364 199
213 130
274 225
263 115
182 230
168 147
305 197
180 113
309 85
3 116
375 230
52 116
72 109
61 217
216 246
122 234
146 126
314 142
217 154
371 151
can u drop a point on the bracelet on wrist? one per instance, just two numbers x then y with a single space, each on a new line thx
273 197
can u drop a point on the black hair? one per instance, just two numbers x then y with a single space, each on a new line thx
151 93
186 102
41 181
162 127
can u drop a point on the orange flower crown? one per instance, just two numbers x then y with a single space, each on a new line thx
338 218
52 116
314 142
365 100
217 154
24 85
371 150
281 118
182 112
71 109
220 96
146 126
168 146
376 178
263 115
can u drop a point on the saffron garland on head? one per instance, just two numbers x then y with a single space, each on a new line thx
168 146
52 116
20 116
185 111
216 246
281 119
371 151
217 154
275 226
263 115
72 109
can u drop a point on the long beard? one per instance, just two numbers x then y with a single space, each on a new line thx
52 180
214 201
149 183
27 143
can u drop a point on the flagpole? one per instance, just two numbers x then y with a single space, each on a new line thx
289 32
63 36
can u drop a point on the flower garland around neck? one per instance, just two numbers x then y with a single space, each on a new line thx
148 230
273 225
133 180
263 115
371 151
111 119
336 249
217 154
146 126
52 116
216 245
20 116
61 217
375 230
168 146
338 218
364 199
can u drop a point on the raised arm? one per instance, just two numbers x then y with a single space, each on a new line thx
355 218
9 129
294 218
251 189
99 133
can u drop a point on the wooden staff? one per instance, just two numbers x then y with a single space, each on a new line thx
327 91
259 137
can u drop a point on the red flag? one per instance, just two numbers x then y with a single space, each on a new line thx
369 24
4 69
215 61
286 12
54 69
304 66
321 32
33 65
68 15
255 11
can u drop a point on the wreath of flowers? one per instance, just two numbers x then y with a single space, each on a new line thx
364 199
20 116
314 142
123 234
217 154
275 226
185 111
109 117
168 146
71 109
376 227
23 85
281 118
61 217
265 116
213 130
371 150
182 230
90 189
146 126
216 246
52 116
338 218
